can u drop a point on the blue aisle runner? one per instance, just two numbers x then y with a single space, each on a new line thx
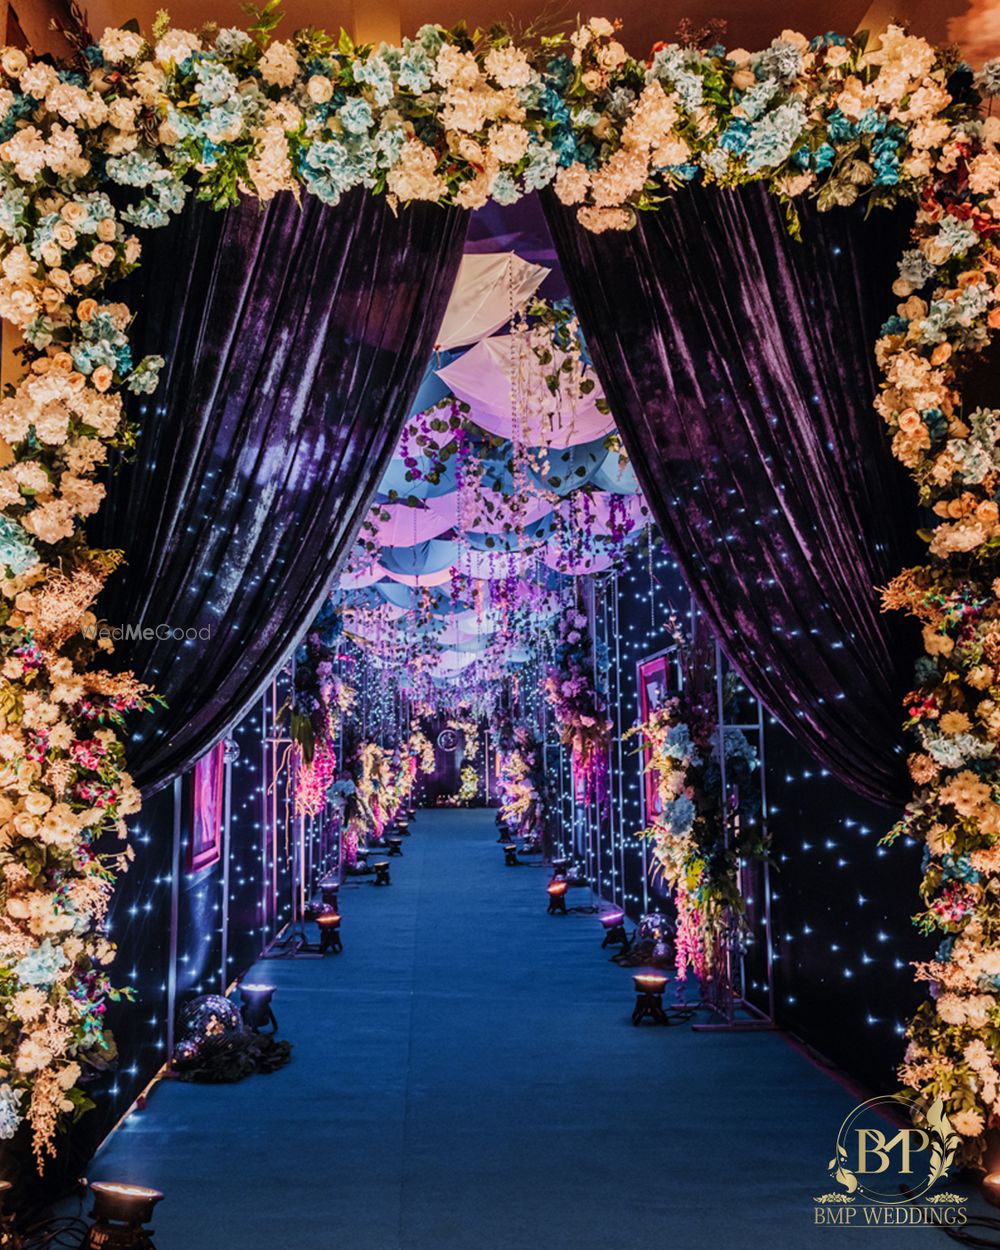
465 1075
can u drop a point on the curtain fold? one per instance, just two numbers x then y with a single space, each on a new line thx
296 338
739 365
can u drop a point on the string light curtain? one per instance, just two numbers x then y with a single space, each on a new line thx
739 365
296 338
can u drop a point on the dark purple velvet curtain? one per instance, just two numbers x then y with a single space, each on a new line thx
739 366
295 339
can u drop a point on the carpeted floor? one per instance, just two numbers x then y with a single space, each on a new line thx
465 1075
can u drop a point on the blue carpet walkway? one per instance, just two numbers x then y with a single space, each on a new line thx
465 1075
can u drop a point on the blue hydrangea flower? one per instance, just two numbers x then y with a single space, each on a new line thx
894 325
505 189
41 966
781 60
10 1110
376 74
755 101
430 39
145 377
824 157
670 65
23 106
17 550
925 670
330 168
560 72
958 868
230 41
839 129
620 102
388 144
915 268
541 167
215 82
13 205
958 235
871 122
679 815
736 136
717 161
415 69
774 136
356 116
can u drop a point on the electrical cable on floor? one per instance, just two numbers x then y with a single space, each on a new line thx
964 1237
65 1232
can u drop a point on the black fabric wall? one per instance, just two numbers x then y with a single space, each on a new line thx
140 923
841 904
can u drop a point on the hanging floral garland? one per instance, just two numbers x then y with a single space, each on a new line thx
320 700
469 730
520 781
579 708
698 841
421 750
460 119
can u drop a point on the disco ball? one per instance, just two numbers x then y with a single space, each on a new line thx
208 1026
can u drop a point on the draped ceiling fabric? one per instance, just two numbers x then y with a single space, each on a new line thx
488 287
296 339
739 366
533 516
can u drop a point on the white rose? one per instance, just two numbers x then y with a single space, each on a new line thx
320 88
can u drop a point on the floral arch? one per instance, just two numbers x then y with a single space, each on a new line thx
115 141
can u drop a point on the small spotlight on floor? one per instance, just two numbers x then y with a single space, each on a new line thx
510 854
256 1009
8 1232
557 897
649 989
329 889
329 933
395 846
382 872
990 1188
614 931
120 1215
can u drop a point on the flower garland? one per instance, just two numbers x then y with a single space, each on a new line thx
469 730
694 852
319 702
520 780
421 750
468 789
579 709
459 119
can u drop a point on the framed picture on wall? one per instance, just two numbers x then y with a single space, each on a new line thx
206 809
657 682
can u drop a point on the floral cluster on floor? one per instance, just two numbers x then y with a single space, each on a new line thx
91 150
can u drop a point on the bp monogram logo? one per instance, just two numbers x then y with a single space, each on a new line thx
887 1170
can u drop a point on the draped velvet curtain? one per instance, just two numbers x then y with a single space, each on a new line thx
295 338
739 366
